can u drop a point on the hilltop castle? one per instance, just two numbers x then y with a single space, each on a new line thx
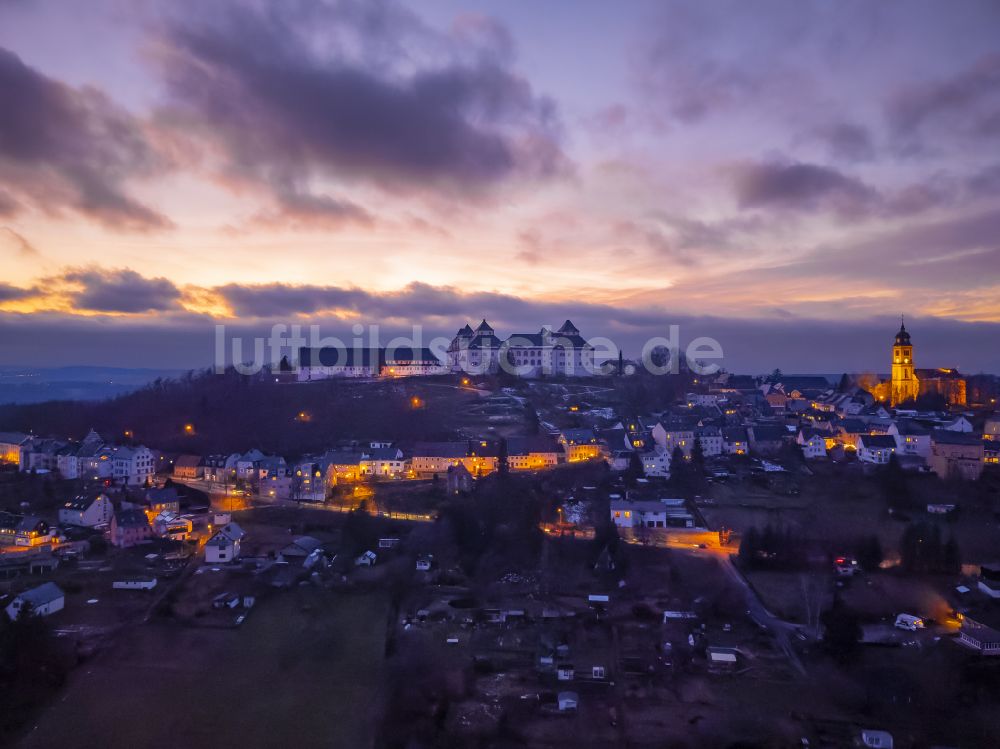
908 383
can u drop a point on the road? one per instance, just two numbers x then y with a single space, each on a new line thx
706 542
783 631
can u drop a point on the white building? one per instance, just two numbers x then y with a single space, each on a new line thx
669 438
876 448
641 514
134 583
383 461
563 352
735 441
87 511
656 463
44 600
133 465
813 443
393 361
911 439
711 440
224 546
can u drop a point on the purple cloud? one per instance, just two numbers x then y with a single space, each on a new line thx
70 148
801 187
121 291
966 104
284 108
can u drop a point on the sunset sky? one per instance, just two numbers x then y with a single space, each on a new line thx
788 177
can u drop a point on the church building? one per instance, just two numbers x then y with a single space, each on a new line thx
908 383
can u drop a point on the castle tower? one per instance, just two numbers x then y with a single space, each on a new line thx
904 384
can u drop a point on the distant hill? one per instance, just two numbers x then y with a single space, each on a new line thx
35 385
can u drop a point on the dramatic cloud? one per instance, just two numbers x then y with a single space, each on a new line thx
801 187
67 148
121 291
284 104
967 104
10 293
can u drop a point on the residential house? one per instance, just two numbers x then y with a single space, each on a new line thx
580 445
188 467
299 550
664 513
157 501
173 526
956 454
735 441
44 600
225 545
87 511
812 442
980 630
710 438
533 453
656 462
911 438
675 433
20 530
767 439
386 462
478 456
876 448
133 466
220 469
343 466
129 527
308 480
247 465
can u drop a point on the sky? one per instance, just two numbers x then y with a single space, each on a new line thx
786 177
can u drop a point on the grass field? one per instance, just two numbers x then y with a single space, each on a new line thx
304 669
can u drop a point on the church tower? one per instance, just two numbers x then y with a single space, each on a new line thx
904 384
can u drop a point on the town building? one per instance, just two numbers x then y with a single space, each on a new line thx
87 511
876 448
133 466
225 545
398 361
24 530
10 447
129 527
980 631
907 383
956 454
188 467
44 600
580 445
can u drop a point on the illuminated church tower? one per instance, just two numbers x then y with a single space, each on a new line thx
905 385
